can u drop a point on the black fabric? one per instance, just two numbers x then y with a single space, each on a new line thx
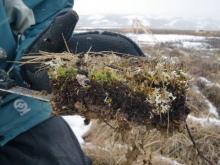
50 143
51 40
103 41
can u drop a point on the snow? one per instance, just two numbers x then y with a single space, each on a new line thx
172 162
185 41
78 126
211 108
205 122
193 45
80 31
208 82
148 38
205 81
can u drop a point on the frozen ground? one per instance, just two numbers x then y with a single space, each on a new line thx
148 38
176 40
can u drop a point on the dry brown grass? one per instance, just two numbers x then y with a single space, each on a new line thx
142 145
197 63
196 102
203 67
213 94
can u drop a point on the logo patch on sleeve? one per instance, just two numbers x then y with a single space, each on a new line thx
21 107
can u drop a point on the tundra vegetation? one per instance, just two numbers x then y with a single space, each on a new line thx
156 109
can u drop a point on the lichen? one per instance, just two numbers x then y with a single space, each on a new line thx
161 100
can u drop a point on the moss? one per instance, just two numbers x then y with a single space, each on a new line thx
66 72
104 76
61 72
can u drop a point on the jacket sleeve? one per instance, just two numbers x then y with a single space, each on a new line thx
19 15
29 17
19 114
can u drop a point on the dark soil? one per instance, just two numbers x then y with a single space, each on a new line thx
125 106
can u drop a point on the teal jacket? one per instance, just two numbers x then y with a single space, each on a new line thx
21 22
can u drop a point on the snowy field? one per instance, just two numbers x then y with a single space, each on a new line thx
176 40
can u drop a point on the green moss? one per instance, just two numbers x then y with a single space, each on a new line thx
61 72
66 72
104 76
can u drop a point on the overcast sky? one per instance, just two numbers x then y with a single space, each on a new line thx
166 8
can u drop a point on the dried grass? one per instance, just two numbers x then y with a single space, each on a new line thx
142 145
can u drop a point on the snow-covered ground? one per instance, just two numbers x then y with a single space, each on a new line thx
78 126
152 38
211 108
183 41
207 82
176 40
204 122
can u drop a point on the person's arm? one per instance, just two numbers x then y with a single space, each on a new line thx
19 15
19 114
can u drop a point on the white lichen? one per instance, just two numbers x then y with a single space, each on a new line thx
161 99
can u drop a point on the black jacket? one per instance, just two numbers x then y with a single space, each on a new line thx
50 143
